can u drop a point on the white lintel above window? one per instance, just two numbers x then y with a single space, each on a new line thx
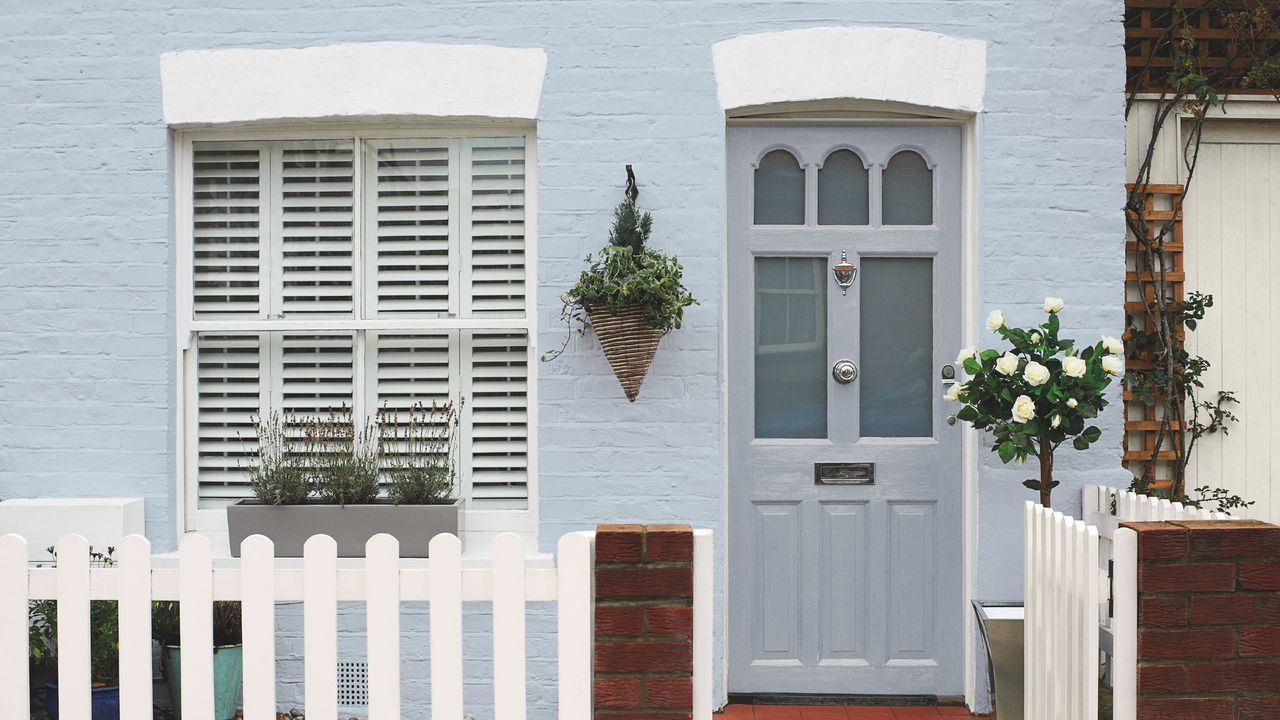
362 80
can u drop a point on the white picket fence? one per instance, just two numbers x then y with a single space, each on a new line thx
1081 602
258 580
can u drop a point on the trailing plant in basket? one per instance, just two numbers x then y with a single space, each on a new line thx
1037 394
626 280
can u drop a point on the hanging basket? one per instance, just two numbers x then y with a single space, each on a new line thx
628 341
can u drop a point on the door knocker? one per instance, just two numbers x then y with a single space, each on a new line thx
844 272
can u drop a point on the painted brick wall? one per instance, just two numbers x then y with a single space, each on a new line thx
87 262
1208 620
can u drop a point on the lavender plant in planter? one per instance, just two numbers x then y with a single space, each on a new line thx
324 476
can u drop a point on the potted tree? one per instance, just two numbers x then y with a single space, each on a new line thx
1033 397
630 294
228 670
323 476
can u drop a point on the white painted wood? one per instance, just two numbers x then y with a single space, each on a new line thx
195 575
1124 625
446 627
15 680
383 612
320 625
509 696
703 581
43 521
133 556
258 618
575 624
73 627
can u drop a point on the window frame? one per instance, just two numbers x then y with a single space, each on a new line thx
522 521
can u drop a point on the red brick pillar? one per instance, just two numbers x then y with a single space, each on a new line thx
644 622
1208 620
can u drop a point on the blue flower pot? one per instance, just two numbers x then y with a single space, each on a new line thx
228 671
105 702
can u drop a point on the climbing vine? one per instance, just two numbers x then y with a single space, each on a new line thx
1183 72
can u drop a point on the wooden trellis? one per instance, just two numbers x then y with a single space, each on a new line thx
1142 422
1150 57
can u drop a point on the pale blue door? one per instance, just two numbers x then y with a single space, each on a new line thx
845 534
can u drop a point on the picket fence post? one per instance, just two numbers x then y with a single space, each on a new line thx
258 624
446 627
15 680
133 556
73 627
575 623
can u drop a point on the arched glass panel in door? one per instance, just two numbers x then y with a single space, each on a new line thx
842 190
779 195
907 190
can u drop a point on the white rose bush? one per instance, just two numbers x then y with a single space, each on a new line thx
1038 394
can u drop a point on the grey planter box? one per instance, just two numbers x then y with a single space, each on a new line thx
351 526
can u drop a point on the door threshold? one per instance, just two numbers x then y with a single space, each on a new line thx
838 699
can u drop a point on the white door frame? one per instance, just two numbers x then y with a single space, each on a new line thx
970 124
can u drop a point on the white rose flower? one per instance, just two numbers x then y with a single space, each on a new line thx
953 393
995 320
1113 364
1024 409
1071 403
1073 366
1057 420
1036 374
1035 337
1053 304
1112 345
1007 364
966 353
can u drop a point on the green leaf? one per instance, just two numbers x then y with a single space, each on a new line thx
1053 324
971 366
1080 443
1092 433
968 413
1006 451
1031 485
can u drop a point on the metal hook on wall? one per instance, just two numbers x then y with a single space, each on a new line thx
632 191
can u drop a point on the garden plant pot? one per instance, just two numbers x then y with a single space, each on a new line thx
1001 627
228 671
629 343
350 526
105 702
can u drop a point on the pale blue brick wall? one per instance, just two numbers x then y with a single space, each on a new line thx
86 250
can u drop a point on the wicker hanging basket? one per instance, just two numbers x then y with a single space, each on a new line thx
628 341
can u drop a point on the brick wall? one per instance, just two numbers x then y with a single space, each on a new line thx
1208 620
644 622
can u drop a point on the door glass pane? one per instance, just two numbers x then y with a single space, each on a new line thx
907 190
779 190
791 347
842 190
896 373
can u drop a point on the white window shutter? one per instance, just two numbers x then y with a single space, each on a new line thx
408 231
317 374
497 409
227 188
229 394
316 220
495 201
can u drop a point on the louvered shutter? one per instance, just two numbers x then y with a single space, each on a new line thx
409 225
316 219
316 374
227 186
229 395
496 228
497 407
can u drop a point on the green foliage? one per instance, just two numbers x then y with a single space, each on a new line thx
166 623
1222 501
626 273
1037 394
419 451
104 631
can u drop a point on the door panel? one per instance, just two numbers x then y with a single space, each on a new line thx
848 583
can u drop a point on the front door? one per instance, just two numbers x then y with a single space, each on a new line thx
845 540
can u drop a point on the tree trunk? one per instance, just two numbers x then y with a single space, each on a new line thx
1046 472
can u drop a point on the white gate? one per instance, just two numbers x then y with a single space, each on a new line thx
258 580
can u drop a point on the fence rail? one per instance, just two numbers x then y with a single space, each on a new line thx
259 581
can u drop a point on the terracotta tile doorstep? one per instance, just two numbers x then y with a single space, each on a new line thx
737 712
870 713
916 712
824 713
953 711
777 712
